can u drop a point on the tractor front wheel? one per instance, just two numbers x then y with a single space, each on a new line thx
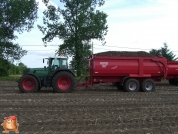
63 82
28 84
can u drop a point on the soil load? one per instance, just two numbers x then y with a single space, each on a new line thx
125 54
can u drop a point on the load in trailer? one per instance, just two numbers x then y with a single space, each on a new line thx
138 71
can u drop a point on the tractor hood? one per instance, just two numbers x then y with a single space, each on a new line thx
36 71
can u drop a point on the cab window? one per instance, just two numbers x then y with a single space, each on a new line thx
55 62
64 63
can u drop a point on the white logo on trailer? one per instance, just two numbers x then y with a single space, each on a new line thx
114 67
103 64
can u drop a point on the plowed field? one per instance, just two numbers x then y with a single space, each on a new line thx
96 110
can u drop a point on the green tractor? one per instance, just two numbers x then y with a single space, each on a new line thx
55 75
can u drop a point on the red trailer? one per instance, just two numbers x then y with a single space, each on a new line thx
130 73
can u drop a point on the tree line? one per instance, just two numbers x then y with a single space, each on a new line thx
8 68
76 24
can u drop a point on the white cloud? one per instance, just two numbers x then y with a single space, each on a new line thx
144 27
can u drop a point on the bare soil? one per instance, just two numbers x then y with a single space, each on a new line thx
95 110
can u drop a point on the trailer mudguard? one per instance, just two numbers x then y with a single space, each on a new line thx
123 80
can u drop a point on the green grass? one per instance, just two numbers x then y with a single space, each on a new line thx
10 78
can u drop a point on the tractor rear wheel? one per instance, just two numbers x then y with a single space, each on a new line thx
131 85
63 82
28 84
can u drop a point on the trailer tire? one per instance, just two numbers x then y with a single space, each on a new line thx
172 82
131 85
28 84
147 85
63 82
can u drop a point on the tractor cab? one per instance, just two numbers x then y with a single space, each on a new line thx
54 63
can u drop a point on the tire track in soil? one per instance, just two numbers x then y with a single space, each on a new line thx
98 109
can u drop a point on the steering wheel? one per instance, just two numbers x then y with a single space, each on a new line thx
55 66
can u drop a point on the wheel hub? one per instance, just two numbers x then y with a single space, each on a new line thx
64 83
28 84
132 86
148 86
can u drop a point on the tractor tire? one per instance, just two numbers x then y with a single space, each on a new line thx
28 84
131 85
172 82
39 88
63 82
147 85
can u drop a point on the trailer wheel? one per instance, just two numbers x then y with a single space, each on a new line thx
172 82
28 84
131 85
63 82
147 85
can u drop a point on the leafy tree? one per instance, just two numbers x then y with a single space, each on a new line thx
11 52
164 52
16 16
85 54
4 66
21 67
12 69
76 24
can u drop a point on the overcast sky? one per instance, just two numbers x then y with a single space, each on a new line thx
134 25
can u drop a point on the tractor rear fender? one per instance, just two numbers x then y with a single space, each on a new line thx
67 70
123 80
35 77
